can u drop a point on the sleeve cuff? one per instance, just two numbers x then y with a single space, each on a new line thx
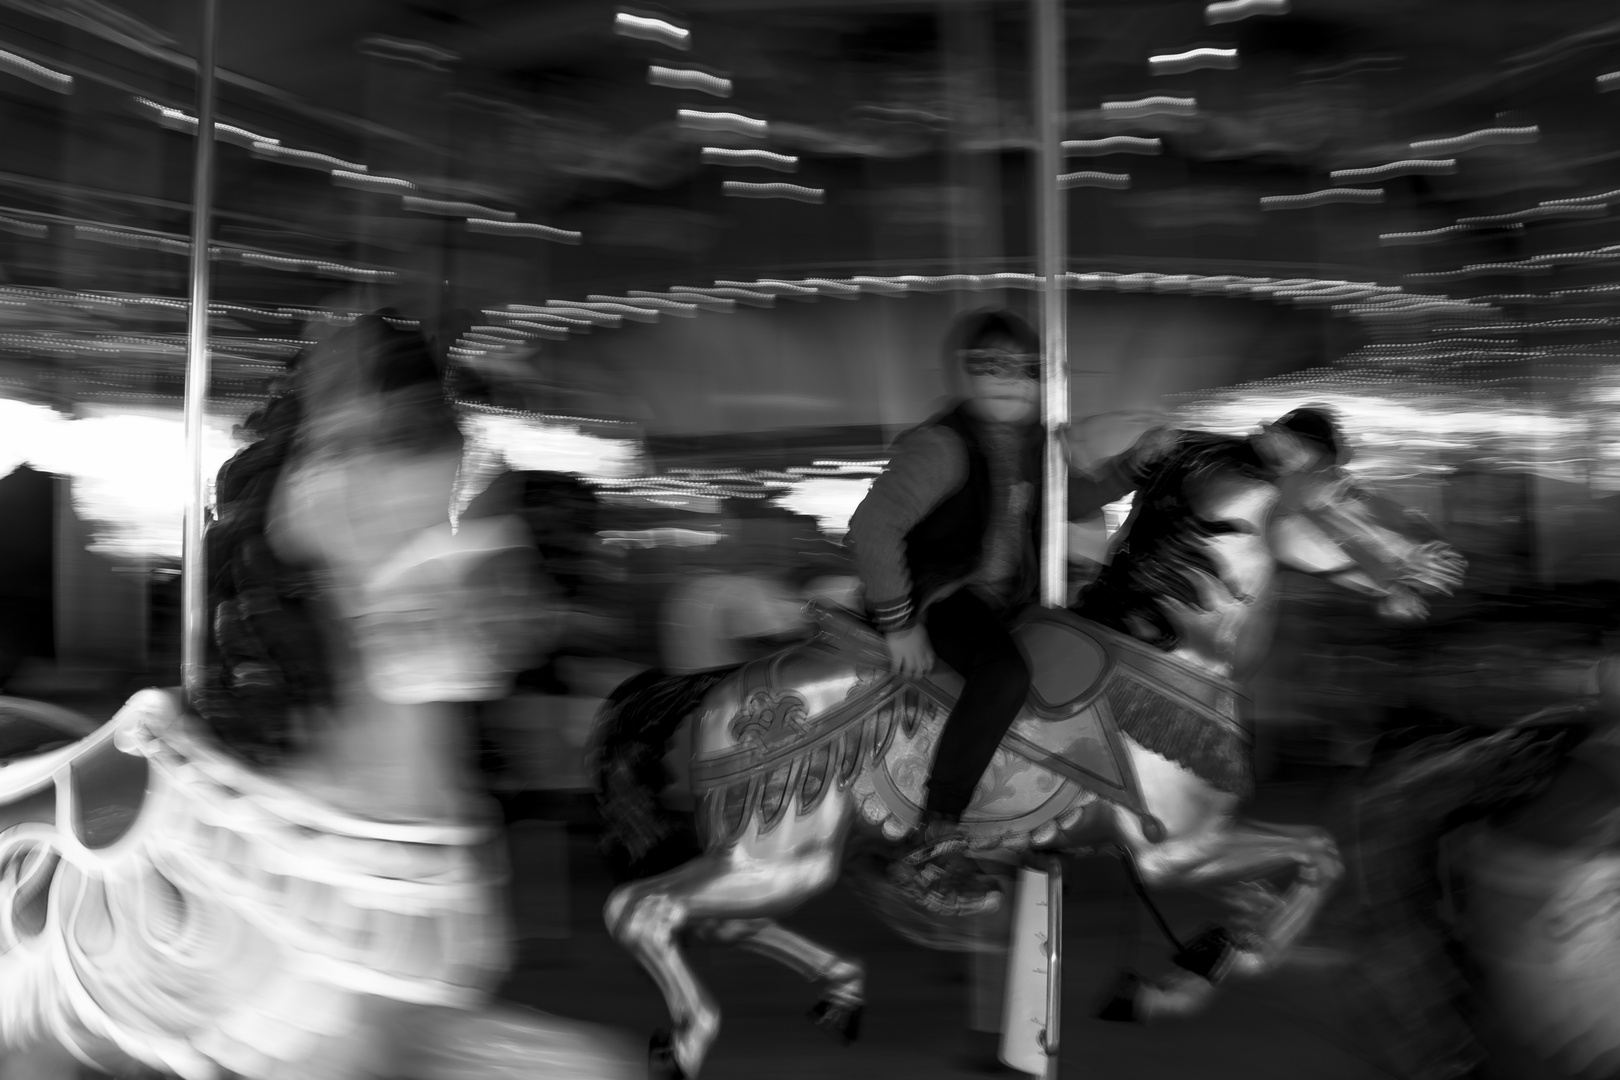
893 616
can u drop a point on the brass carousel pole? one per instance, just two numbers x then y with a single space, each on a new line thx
194 572
1051 244
1051 235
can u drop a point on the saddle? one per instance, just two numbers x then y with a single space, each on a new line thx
1089 687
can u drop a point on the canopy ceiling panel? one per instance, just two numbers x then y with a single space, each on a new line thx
876 363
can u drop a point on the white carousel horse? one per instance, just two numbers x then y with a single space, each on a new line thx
168 905
1132 742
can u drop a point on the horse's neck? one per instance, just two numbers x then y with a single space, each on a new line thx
1232 638
391 762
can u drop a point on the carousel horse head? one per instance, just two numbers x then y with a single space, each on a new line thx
1217 515
334 564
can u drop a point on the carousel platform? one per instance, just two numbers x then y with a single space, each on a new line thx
920 1017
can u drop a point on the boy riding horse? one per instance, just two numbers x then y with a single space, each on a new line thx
945 544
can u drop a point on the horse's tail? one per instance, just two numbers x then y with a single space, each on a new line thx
640 835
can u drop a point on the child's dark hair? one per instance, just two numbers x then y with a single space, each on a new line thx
975 328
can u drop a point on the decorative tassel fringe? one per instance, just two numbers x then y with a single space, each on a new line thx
1216 754
724 813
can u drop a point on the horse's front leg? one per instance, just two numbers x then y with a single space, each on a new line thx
1242 852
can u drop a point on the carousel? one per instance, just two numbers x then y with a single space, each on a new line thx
564 288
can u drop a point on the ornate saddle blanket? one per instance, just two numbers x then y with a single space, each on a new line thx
161 902
1089 685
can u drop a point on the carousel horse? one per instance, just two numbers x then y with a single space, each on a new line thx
291 874
1131 742
1489 943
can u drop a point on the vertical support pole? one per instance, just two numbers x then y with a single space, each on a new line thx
194 572
1032 1017
1051 235
1051 246
1051 1036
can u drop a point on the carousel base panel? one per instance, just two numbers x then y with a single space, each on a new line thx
924 1016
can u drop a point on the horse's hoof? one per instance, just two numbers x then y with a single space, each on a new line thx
1179 995
1121 1004
838 1020
661 1062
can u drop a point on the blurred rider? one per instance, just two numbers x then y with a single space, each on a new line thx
945 545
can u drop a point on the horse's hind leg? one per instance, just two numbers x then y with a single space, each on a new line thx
758 877
842 981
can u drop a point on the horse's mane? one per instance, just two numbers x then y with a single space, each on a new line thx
268 655
1161 555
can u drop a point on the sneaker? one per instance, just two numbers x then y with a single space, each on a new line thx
937 874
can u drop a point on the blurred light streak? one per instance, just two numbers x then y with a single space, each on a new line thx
1321 198
1443 167
1402 435
764 159
645 28
829 287
180 120
1427 236
829 500
735 123
24 228
1604 198
128 467
450 208
624 311
1608 82
1498 136
1544 211
316 266
1154 105
532 442
1112 181
38 74
525 228
565 307
305 158
1113 144
743 190
752 298
667 537
780 288
716 304
1535 262
126 238
419 53
1193 60
673 307
367 182
687 79
1225 11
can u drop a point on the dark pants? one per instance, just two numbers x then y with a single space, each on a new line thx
972 637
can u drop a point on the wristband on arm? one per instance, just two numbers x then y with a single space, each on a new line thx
893 616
